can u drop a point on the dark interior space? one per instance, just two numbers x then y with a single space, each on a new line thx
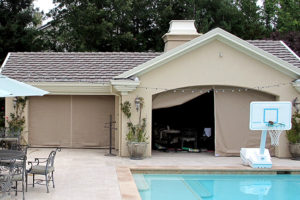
2 112
182 127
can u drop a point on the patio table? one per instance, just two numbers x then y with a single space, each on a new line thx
9 139
11 154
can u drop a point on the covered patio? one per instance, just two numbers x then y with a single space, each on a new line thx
88 174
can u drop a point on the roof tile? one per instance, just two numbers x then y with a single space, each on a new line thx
72 67
276 48
99 67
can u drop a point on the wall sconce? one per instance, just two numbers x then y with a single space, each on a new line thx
137 102
296 104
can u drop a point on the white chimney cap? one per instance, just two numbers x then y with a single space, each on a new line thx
182 27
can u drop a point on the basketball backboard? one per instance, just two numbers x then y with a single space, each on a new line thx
275 113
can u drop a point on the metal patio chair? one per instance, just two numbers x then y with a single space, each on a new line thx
18 169
42 166
6 174
19 175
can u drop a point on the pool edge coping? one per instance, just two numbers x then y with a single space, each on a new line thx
129 191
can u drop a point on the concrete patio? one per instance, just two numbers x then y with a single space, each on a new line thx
88 174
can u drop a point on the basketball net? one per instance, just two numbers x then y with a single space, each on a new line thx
275 129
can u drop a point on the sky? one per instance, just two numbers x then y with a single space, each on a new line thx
44 5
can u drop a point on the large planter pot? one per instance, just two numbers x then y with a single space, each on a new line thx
137 150
295 151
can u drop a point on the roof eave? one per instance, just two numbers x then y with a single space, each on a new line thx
290 50
125 86
225 37
74 88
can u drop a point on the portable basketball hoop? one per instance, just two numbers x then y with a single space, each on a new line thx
267 116
275 130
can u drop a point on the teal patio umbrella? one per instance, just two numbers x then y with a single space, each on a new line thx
13 88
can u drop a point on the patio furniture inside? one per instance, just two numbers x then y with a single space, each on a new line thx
188 127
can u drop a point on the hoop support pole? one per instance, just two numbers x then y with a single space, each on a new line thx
263 139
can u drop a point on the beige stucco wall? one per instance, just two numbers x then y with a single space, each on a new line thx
204 66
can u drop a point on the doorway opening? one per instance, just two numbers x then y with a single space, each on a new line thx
185 127
2 112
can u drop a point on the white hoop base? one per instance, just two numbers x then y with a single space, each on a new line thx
253 158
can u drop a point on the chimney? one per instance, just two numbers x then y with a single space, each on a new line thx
180 32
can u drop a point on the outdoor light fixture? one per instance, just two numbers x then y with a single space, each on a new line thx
137 102
296 103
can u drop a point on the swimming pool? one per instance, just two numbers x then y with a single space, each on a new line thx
218 186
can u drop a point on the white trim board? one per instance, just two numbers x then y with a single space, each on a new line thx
4 62
61 88
290 50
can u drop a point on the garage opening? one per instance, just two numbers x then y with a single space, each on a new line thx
70 121
185 127
206 119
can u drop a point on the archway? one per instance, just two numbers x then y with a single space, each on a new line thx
183 119
213 118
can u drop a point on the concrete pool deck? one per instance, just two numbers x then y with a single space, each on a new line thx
88 174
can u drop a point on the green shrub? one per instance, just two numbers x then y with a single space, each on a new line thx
293 135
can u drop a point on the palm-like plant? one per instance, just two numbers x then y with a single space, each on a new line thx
136 132
293 135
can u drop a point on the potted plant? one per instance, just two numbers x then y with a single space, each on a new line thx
293 136
136 136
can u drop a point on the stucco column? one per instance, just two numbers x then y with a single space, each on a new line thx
146 113
123 151
26 127
9 108
117 120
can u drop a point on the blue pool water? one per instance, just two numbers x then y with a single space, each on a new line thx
218 187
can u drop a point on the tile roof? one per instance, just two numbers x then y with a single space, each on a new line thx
98 67
72 67
276 48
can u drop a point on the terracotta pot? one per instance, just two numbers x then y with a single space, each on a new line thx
137 150
295 150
